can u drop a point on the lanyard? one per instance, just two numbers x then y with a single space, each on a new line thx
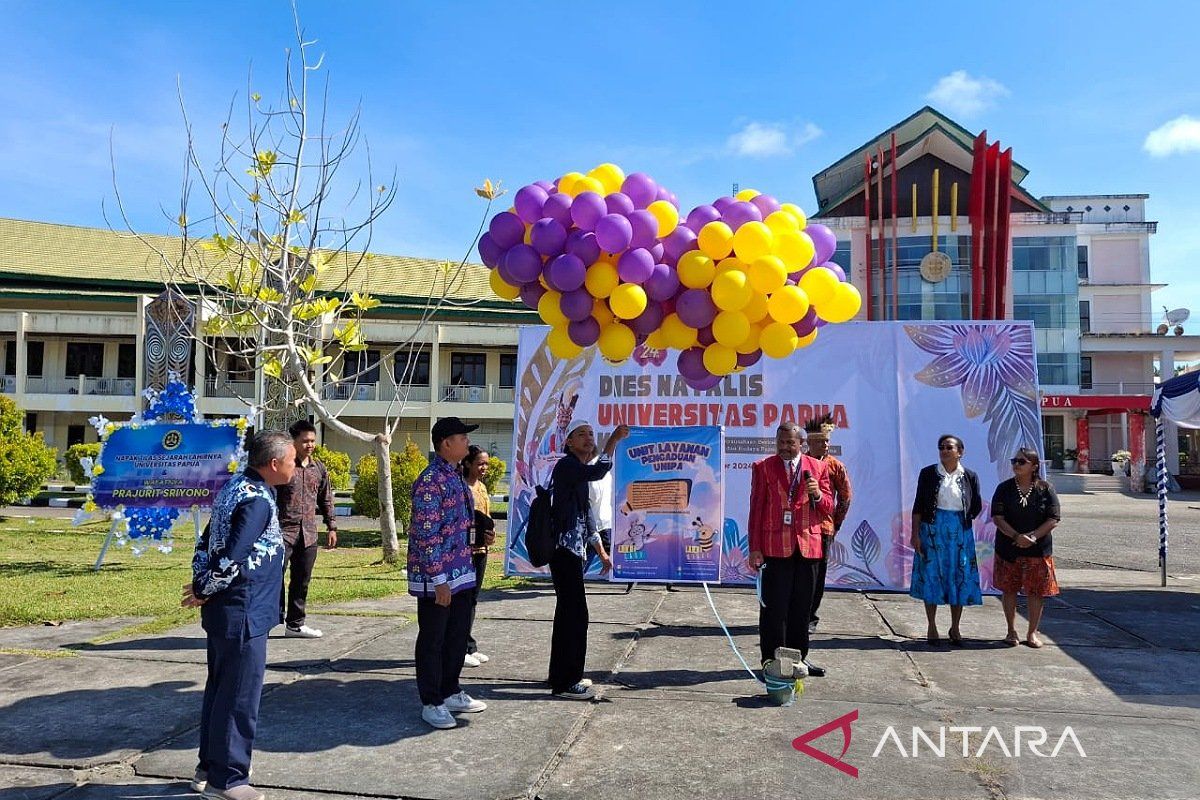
794 484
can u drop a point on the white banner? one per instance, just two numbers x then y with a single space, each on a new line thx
893 388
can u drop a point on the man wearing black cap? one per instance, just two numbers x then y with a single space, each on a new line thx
441 575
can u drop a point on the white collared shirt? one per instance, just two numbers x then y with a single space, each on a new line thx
950 488
791 467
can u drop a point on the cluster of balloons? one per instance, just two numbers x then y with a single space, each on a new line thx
607 260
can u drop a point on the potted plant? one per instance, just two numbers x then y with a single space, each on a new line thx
1070 460
1120 462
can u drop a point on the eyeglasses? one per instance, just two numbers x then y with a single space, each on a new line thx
947 447
1018 462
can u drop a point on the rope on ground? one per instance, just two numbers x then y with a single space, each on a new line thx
728 635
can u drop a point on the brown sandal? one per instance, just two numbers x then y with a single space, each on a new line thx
1034 641
1012 640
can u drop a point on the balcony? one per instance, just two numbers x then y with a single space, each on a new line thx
79 385
1119 388
223 387
376 392
8 384
477 394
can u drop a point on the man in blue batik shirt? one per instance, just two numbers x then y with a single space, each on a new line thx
236 574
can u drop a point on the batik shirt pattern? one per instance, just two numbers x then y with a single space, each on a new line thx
212 568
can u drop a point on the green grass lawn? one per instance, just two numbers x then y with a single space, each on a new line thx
46 574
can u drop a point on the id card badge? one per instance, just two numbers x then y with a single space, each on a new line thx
787 518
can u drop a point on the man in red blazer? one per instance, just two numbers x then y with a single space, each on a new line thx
790 497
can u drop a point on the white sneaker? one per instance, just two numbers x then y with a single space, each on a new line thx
303 632
480 657
471 661
463 703
812 627
579 691
438 717
585 682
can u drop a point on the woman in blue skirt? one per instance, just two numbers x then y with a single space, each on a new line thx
945 570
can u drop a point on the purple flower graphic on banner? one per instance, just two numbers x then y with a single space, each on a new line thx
645 355
993 364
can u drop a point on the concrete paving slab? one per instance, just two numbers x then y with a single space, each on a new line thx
67 634
1173 630
519 650
11 660
609 603
154 789
656 750
1152 683
841 612
402 604
186 644
363 733
33 783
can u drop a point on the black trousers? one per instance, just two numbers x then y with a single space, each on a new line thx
479 561
819 589
293 593
441 646
787 587
229 711
568 643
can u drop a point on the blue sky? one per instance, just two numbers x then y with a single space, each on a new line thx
698 95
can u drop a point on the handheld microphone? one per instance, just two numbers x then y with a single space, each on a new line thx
811 503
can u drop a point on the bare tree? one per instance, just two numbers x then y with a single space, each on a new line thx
283 281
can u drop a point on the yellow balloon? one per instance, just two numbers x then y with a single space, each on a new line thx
819 284
656 340
609 258
601 278
616 342
716 239
796 250
628 300
767 274
719 359
561 345
666 214
788 305
797 214
550 311
778 340
752 341
731 263
747 194
587 184
731 328
842 306
527 238
610 176
756 309
502 288
602 313
805 341
677 333
781 222
731 290
542 281
753 240
696 270
567 183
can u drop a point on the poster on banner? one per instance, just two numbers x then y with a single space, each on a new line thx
669 505
892 388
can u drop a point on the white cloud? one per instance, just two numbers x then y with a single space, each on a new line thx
769 139
1180 135
959 93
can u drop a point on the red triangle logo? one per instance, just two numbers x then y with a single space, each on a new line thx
801 743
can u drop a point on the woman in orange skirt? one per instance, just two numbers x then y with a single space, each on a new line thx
1025 510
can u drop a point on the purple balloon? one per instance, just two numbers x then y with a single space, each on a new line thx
547 185
695 307
691 364
657 251
765 204
506 229
821 323
640 188
566 273
673 200
748 359
703 384
722 203
663 194
739 213
619 203
648 321
529 202
635 266
586 209
805 326
584 332
489 251
502 268
531 293
583 245
680 240
662 284
558 208
614 233
645 229
701 216
577 305
705 336
523 264
548 237
824 240
836 269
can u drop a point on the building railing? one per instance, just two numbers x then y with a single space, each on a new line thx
1132 227
477 394
1046 218
80 385
8 384
376 392
223 387
1120 387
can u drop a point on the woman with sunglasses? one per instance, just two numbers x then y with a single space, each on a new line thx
945 569
1025 510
